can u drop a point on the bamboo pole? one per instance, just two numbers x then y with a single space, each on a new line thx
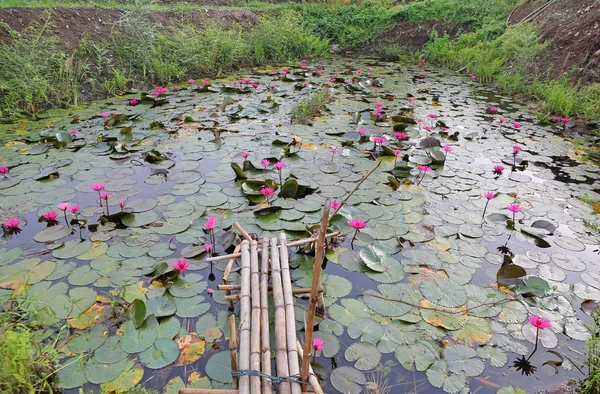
291 244
304 290
255 333
242 231
281 358
264 319
313 380
245 320
316 283
226 275
233 344
345 200
290 319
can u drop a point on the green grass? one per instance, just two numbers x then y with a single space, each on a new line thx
304 111
591 383
137 4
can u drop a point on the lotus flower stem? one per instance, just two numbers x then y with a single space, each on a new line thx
485 208
537 334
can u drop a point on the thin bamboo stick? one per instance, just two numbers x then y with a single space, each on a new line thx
242 231
245 319
291 244
290 319
281 357
316 283
226 275
255 333
233 344
264 319
313 380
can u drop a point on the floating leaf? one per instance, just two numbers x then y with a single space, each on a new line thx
463 359
444 292
366 355
162 353
368 330
218 367
347 380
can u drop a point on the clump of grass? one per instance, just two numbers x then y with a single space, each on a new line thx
305 110
591 383
391 52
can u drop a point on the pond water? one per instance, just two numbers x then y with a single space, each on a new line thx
432 296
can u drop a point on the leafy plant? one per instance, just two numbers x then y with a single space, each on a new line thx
304 111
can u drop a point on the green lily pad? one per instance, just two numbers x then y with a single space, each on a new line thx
348 380
162 353
366 355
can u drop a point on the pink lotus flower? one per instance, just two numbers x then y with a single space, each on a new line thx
335 204
63 206
318 344
74 131
516 150
115 113
490 195
493 110
420 121
444 129
245 155
556 119
211 223
104 114
397 152
74 209
265 163
122 204
514 208
331 51
539 322
359 71
424 168
357 224
433 116
98 186
565 120
473 77
133 102
447 148
204 82
361 131
210 291
175 88
303 66
400 136
379 140
191 80
104 196
279 165
3 170
209 248
334 150
376 89
427 128
516 125
501 120
255 85
267 191
181 265
378 104
50 216
155 93
411 99
11 224
498 169
310 56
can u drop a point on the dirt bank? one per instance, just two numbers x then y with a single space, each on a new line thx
72 24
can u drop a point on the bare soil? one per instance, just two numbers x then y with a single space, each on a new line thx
412 36
70 25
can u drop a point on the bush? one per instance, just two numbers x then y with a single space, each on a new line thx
304 111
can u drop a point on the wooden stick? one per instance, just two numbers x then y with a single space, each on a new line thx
264 318
242 231
226 275
291 244
316 283
245 319
255 333
303 290
345 200
281 357
314 381
233 344
290 318
297 290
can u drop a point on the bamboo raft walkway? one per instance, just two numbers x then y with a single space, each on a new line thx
249 347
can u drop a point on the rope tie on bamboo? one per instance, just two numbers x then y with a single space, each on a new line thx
275 380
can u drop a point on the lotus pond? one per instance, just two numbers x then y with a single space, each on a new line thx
433 295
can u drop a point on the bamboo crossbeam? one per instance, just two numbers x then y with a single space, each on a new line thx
289 245
264 319
303 290
242 231
255 333
245 319
290 319
233 344
228 269
297 290
312 379
281 356
316 283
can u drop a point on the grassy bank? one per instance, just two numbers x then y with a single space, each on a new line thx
498 54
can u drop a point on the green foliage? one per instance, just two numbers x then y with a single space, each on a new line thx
304 111
591 384
393 52
469 14
350 26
